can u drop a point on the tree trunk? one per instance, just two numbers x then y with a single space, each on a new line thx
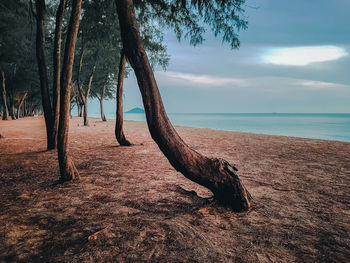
70 112
20 105
79 108
119 133
85 115
24 111
103 117
67 167
44 86
57 68
80 97
216 174
12 108
5 112
86 97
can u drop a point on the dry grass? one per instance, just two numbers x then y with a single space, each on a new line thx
129 206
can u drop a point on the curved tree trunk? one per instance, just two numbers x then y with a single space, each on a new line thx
216 174
5 112
119 133
67 167
44 86
57 68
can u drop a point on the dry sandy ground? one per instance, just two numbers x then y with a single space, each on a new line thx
130 206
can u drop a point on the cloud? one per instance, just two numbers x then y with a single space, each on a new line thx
203 79
321 85
270 84
302 56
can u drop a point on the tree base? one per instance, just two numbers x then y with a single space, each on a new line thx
125 143
227 187
68 171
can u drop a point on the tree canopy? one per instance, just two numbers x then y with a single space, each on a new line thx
190 19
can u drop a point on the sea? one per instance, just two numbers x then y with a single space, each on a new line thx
334 127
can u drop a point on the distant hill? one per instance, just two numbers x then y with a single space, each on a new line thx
136 110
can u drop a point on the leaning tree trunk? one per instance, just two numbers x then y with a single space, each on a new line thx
118 131
216 174
67 167
57 68
44 86
5 112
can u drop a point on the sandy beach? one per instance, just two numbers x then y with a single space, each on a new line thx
130 205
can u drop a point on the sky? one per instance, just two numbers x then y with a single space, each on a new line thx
294 58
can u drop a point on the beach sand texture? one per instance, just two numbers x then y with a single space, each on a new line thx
130 205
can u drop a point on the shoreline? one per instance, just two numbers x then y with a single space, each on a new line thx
218 129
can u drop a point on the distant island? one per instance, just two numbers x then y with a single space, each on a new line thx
136 110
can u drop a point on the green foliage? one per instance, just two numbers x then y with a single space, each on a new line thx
17 49
99 37
100 42
190 19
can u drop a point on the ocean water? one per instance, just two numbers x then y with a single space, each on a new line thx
316 126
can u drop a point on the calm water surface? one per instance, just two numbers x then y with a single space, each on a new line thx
316 126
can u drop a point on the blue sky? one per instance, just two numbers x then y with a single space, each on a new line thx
294 57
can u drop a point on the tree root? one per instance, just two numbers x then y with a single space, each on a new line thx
229 190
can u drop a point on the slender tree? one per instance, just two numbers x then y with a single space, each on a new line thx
12 96
67 167
152 38
119 133
20 103
103 88
57 68
100 99
216 174
44 85
5 112
85 96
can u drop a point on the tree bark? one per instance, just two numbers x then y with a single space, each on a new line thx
118 131
216 174
5 112
57 68
40 54
67 167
